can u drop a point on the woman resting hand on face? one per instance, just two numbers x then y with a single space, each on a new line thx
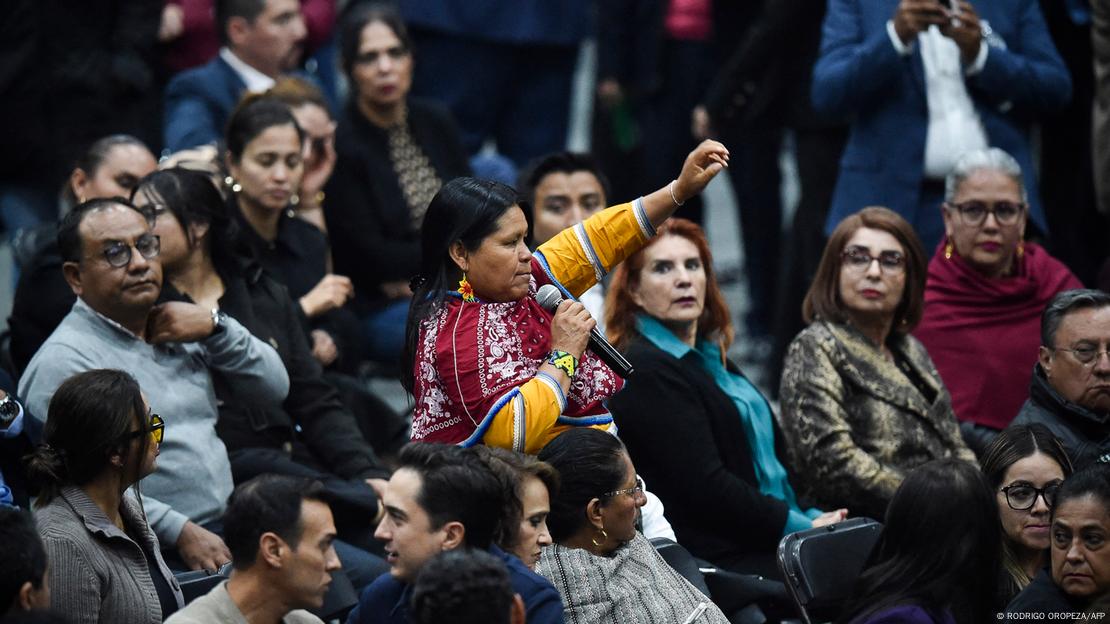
484 361
862 403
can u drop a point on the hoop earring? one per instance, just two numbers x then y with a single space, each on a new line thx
604 536
948 250
232 184
466 290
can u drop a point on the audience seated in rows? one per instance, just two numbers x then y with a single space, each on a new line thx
310 434
100 439
862 403
1070 391
1024 465
984 294
110 167
564 189
111 262
465 586
604 568
1079 574
699 430
394 154
262 40
443 497
24 583
282 540
937 559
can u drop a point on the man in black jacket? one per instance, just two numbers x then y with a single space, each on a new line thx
1070 392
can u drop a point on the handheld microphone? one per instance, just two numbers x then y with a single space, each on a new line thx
549 297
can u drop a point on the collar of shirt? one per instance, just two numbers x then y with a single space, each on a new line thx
255 80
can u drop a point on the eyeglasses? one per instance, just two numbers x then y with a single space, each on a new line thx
152 211
1022 496
118 254
1087 356
975 212
859 259
632 491
156 432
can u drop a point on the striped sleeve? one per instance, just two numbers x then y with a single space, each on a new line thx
523 417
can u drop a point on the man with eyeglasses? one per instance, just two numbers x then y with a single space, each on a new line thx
1070 392
111 262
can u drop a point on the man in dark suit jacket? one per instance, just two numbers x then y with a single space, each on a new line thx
871 68
262 40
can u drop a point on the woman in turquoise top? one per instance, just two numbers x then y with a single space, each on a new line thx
697 429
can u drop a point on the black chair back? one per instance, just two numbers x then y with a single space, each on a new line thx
821 565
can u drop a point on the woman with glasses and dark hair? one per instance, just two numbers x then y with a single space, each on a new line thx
1079 574
604 569
1025 466
862 403
99 440
937 560
984 293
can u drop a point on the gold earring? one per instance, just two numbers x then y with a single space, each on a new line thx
604 537
1021 249
948 250
466 290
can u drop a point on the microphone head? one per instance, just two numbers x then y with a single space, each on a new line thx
549 297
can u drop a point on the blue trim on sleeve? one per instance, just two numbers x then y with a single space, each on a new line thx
538 255
483 426
559 394
585 421
641 217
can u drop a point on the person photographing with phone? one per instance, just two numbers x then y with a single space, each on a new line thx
923 84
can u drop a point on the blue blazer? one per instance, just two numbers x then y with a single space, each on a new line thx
199 102
861 77
387 600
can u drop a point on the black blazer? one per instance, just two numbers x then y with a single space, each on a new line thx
686 439
372 237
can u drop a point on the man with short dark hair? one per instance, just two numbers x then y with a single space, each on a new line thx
23 584
1070 391
442 498
111 263
465 587
281 533
262 39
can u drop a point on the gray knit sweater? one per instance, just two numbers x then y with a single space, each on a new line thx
193 477
97 572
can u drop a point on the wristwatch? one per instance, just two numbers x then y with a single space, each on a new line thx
219 321
9 409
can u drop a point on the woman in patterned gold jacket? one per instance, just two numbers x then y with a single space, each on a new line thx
862 402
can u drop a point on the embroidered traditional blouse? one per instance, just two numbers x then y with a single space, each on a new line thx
476 369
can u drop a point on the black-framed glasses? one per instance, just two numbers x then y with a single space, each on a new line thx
118 253
1022 496
632 491
156 431
975 212
152 211
1087 356
859 259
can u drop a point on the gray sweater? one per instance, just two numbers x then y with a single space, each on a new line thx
193 476
217 607
97 572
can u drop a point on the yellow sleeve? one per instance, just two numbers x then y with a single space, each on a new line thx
580 256
525 421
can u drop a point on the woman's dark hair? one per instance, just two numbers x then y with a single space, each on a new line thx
512 470
938 549
1092 480
590 463
89 420
358 18
464 210
193 198
254 115
1015 443
823 298
91 160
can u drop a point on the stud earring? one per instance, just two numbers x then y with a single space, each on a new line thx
232 184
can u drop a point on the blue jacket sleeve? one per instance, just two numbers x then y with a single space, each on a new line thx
544 607
855 67
188 117
1029 72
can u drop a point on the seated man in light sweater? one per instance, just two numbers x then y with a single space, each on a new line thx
111 263
281 535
